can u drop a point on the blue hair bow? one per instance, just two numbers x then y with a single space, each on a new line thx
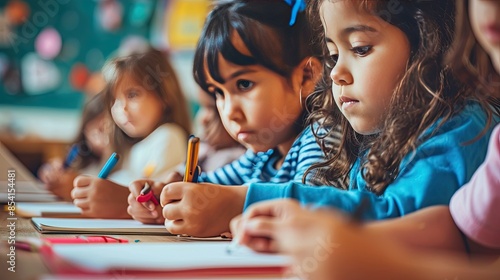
297 6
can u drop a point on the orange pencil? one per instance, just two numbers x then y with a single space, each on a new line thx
192 169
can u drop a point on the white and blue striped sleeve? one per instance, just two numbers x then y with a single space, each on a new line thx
233 173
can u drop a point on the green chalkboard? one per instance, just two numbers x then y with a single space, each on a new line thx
84 40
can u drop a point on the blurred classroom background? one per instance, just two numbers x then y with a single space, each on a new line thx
51 53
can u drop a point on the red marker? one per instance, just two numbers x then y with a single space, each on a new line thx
33 244
147 195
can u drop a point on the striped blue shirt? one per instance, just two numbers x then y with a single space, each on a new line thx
259 167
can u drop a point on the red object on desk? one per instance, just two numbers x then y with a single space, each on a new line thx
34 244
86 239
147 195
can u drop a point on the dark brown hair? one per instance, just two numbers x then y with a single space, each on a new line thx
153 71
263 26
427 94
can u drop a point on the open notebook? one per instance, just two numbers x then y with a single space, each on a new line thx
96 226
155 259
53 209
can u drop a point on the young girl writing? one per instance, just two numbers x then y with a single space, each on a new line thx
87 152
261 71
472 207
411 134
217 149
398 154
151 127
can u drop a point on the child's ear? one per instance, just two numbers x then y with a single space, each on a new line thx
311 73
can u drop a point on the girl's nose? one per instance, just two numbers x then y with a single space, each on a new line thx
230 108
340 74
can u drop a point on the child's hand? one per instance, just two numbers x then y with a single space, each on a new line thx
270 226
146 212
56 179
99 198
201 210
284 226
51 171
322 239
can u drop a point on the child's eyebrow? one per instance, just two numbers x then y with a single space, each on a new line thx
239 73
232 76
133 88
357 28
352 29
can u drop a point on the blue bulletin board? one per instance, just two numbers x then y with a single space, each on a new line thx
89 32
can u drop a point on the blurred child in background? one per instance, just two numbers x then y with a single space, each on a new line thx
87 153
150 131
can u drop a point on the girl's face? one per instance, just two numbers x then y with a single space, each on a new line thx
136 111
257 106
213 130
97 134
485 21
369 57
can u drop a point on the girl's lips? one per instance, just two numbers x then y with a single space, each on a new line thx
344 99
492 33
347 102
244 135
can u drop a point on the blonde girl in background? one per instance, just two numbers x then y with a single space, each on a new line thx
150 131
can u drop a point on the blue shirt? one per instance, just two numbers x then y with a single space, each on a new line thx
428 176
259 167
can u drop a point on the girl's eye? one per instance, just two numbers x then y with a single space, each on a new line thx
132 94
362 51
244 84
331 60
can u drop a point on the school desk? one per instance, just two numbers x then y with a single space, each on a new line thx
29 265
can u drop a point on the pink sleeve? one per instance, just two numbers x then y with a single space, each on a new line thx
476 206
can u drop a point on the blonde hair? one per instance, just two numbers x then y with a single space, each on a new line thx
154 72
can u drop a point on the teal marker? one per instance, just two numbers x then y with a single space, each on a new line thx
108 166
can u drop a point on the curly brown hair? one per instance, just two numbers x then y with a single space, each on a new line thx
427 94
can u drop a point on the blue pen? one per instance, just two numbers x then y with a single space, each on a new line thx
197 173
72 155
110 164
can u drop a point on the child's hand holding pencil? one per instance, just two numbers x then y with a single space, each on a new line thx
143 199
146 212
